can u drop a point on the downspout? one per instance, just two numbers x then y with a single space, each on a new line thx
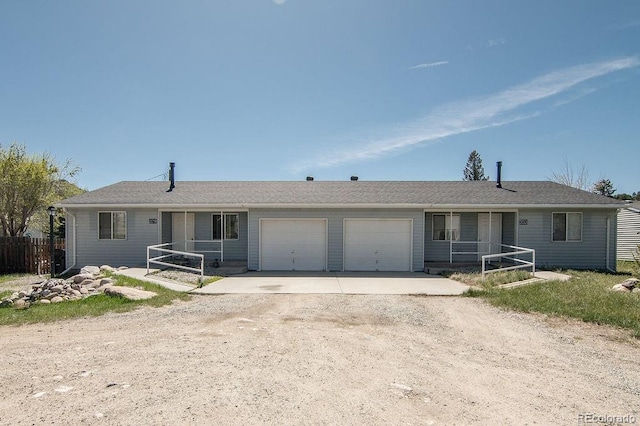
608 263
74 242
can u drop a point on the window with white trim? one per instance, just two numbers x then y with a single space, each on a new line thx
112 225
226 225
567 226
446 227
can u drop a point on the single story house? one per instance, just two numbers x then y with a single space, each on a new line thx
350 225
628 231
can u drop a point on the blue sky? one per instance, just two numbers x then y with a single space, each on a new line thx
282 89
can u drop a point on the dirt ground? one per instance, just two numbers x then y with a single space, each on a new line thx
317 359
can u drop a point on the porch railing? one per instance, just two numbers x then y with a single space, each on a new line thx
162 256
512 256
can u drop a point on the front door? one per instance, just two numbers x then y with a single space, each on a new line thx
489 233
183 231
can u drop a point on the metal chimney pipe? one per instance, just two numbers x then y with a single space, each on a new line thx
172 179
499 179
354 178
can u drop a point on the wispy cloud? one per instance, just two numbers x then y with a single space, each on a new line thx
469 115
429 65
625 25
496 42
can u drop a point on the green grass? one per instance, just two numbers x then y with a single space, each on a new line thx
586 296
628 267
491 280
91 306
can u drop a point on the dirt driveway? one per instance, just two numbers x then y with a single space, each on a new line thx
316 359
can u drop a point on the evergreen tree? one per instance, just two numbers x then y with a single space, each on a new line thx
474 170
603 187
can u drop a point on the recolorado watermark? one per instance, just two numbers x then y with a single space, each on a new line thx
607 419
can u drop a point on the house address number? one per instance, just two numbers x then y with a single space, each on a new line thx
523 222
153 221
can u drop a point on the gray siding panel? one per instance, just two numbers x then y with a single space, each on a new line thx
335 220
590 253
628 233
129 252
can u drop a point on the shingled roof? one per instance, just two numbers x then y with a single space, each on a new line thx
336 194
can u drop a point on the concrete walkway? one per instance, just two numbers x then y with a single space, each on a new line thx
316 283
336 282
330 283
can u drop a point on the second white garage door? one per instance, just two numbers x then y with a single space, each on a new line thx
293 244
377 244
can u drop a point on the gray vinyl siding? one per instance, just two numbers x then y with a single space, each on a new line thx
129 252
590 253
335 222
628 233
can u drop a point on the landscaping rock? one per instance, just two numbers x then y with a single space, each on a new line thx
20 303
92 270
129 293
88 283
621 288
107 268
631 283
82 277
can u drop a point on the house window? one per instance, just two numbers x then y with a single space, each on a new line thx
446 227
112 225
227 225
567 226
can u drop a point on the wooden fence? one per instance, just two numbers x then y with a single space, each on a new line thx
30 255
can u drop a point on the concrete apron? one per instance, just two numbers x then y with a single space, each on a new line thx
335 283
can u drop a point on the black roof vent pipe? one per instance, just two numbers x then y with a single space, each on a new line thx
309 178
172 178
354 178
499 180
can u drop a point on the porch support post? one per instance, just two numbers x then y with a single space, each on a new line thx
450 235
490 234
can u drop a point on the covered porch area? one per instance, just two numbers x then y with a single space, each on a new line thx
475 241
201 241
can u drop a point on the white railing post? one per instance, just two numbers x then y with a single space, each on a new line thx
533 267
483 270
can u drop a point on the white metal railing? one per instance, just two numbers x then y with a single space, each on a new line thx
167 253
520 263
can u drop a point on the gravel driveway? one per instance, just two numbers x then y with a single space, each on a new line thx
316 359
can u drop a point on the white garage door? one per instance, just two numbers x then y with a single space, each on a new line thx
293 244
377 244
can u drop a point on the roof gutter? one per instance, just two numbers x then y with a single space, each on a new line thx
246 206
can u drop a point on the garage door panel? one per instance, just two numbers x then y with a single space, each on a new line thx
377 244
293 244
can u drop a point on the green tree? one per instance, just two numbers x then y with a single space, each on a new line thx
28 183
474 170
603 187
40 219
